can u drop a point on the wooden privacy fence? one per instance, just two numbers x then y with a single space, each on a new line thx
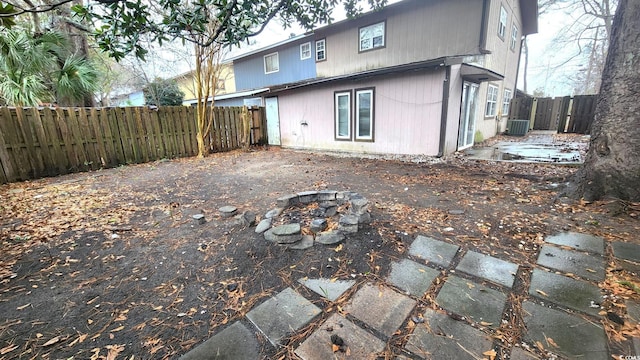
38 142
563 114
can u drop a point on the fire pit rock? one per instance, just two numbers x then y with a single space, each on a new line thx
308 217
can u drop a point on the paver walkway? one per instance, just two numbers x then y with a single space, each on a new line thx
561 311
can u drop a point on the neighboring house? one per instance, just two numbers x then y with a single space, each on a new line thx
418 77
226 84
135 98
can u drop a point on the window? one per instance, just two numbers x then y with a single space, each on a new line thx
372 36
514 37
271 63
364 114
502 25
343 115
305 51
220 84
492 101
506 99
321 52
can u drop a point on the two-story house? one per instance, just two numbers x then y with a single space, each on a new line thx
417 77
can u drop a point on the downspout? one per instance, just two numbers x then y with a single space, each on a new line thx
484 24
445 110
515 86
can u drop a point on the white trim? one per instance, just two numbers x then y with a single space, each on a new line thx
502 25
372 27
264 58
492 99
337 115
514 37
302 55
324 49
506 100
371 113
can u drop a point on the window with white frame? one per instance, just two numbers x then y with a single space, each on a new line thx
271 63
502 25
492 101
364 114
372 36
514 37
343 115
305 51
321 51
506 100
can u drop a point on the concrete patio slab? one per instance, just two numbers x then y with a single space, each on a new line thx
574 336
565 291
327 288
380 307
490 268
578 241
360 344
233 343
475 301
591 267
626 251
441 337
521 354
435 251
412 277
286 312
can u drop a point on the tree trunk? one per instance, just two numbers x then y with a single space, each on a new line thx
612 166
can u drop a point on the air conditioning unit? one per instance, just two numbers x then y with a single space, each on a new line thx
517 127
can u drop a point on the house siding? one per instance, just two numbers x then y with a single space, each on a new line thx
250 74
407 115
415 31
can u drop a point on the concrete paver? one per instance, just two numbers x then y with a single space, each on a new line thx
380 307
521 354
412 277
286 312
475 301
626 251
565 291
359 343
591 267
578 241
233 343
435 251
574 336
441 337
331 290
490 268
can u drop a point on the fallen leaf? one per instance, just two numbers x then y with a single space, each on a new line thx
484 323
113 351
23 306
539 346
590 270
338 248
335 348
119 328
541 292
551 342
8 349
491 354
52 341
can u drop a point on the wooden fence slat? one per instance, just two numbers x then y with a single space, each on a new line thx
58 156
145 120
72 156
143 140
130 123
217 128
45 143
34 164
125 135
186 135
93 120
179 131
6 161
155 125
79 147
190 116
168 131
113 130
89 140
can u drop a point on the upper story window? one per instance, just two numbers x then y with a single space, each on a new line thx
502 25
506 100
492 101
372 36
321 52
305 51
514 37
271 63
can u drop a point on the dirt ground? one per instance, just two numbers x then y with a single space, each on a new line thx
110 264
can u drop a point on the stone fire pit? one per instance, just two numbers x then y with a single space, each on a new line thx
309 217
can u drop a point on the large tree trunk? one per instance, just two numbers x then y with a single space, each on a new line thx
612 166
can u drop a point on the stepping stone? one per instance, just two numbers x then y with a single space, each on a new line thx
521 354
490 268
327 288
437 252
584 242
273 213
472 300
626 251
441 337
412 277
633 310
306 197
228 211
287 234
263 225
284 313
591 267
348 224
199 219
565 291
304 243
235 342
287 200
327 195
574 336
380 307
360 343
329 237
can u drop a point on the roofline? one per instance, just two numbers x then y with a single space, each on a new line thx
529 15
270 47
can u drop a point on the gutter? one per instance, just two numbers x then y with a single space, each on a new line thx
484 24
445 111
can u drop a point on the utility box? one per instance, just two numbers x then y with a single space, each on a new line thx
517 127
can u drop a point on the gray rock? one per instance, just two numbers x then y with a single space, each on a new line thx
234 342
287 200
331 211
305 243
263 226
268 235
228 211
199 219
306 197
273 213
327 195
348 224
456 212
318 225
359 206
249 218
364 218
329 237
287 234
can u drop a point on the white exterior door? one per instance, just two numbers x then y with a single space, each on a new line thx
468 115
273 120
